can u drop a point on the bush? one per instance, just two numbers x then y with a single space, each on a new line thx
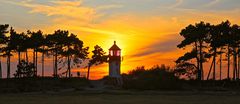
157 77
24 69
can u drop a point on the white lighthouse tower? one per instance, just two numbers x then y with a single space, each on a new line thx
114 61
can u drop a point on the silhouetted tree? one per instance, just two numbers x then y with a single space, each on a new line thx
73 50
10 46
235 37
204 36
36 39
43 49
54 42
98 57
225 28
196 35
3 38
216 40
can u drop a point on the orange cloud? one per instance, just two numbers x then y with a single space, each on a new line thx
65 9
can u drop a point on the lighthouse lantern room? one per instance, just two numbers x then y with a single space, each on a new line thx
114 61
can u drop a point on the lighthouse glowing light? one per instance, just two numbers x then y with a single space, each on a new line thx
114 61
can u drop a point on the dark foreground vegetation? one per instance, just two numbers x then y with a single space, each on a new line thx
162 78
157 77
165 79
121 97
15 85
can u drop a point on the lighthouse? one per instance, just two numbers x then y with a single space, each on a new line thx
114 61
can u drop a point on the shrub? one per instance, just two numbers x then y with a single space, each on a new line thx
24 69
157 77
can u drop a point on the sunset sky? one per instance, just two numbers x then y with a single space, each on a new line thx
145 30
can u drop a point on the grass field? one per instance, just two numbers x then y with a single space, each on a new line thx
126 97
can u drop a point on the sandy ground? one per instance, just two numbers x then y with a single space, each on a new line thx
121 97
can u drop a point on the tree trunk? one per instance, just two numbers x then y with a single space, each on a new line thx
69 66
235 64
8 65
19 60
53 65
56 64
238 69
88 72
198 65
228 63
36 61
233 68
201 73
210 70
214 64
220 66
0 68
19 57
43 62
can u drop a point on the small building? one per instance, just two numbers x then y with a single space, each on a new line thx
115 61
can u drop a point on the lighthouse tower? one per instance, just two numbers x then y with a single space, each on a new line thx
114 61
